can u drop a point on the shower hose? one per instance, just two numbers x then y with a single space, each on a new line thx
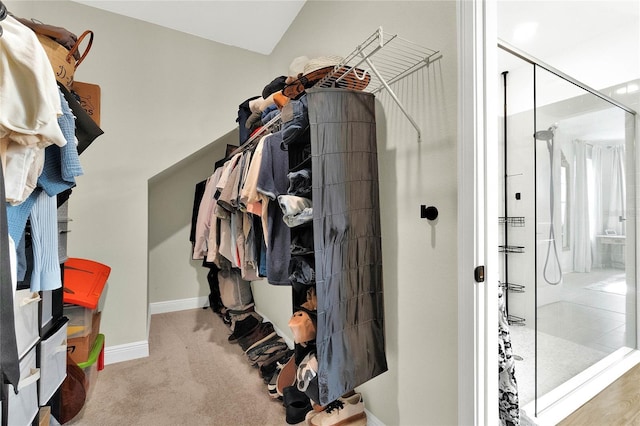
552 238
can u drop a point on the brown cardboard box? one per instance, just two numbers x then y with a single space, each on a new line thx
80 347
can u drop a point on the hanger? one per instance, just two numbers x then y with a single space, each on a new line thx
255 137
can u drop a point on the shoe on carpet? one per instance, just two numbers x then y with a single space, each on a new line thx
261 344
275 363
271 355
287 376
243 327
316 410
264 331
268 367
271 387
342 411
258 355
296 404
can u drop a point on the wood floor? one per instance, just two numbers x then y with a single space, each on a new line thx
618 404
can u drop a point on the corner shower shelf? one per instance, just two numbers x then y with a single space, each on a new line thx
513 220
515 320
511 249
395 58
515 288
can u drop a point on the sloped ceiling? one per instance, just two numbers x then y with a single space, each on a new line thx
258 25
255 25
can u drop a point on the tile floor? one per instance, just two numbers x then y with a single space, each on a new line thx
584 327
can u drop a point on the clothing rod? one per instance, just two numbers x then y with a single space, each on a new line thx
252 141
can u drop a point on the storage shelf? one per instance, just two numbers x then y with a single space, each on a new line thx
395 58
385 58
515 320
512 220
511 249
515 288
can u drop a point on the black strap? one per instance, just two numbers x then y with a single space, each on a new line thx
9 363
240 312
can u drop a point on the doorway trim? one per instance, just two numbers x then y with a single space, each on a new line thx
477 236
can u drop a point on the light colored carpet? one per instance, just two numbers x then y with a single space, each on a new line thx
193 376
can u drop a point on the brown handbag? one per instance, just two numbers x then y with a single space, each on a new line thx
63 60
89 98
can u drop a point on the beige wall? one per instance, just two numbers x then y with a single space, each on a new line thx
173 274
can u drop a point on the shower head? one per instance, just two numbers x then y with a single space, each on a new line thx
546 135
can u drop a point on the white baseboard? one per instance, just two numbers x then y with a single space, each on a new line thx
373 420
126 352
178 305
135 350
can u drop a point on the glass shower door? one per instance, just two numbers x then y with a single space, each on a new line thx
584 234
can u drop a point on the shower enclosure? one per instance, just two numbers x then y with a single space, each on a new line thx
567 238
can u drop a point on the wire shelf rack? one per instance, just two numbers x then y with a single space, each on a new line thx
516 320
515 288
512 220
511 249
384 59
394 57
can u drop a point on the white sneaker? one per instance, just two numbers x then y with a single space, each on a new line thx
342 411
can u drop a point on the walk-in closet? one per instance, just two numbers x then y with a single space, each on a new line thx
319 212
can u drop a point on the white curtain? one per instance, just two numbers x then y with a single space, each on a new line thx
599 200
582 258
596 200
609 205
612 181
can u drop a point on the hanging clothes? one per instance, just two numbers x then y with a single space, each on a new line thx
249 197
201 233
44 238
509 409
213 223
9 361
29 109
272 182
197 200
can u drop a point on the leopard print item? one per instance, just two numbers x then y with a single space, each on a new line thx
509 409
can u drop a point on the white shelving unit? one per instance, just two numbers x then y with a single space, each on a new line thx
384 59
